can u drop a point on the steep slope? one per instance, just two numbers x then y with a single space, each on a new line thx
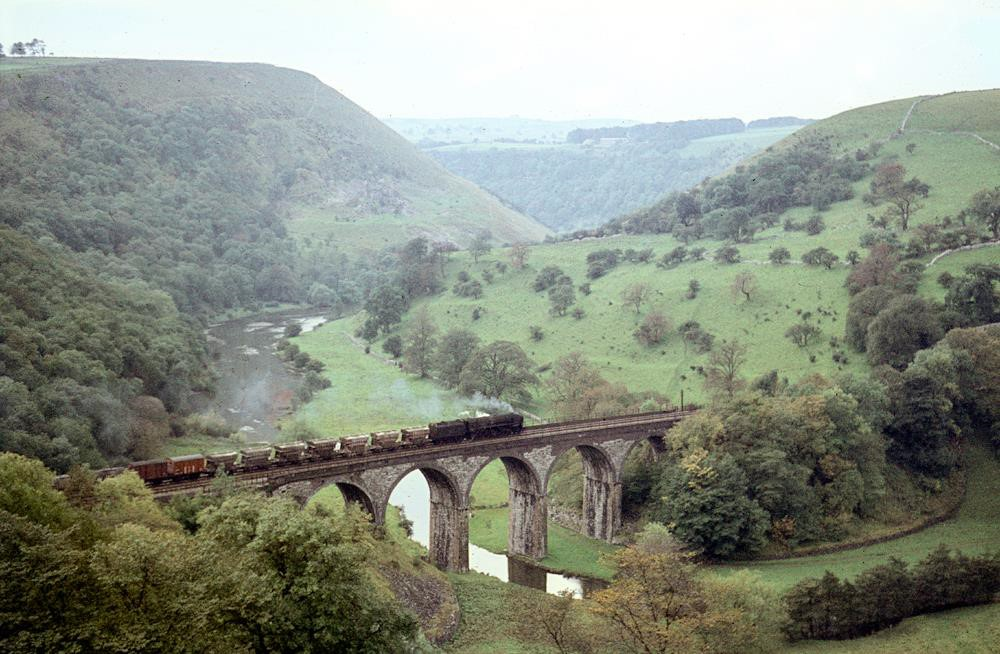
78 353
191 174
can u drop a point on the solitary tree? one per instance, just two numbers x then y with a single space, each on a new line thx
18 49
635 295
722 375
727 254
653 329
501 370
480 245
888 185
985 207
518 255
420 342
744 285
803 332
820 257
561 298
779 256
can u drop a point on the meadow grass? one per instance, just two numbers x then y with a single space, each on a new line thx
955 264
366 393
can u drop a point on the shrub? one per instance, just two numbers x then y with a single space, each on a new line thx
727 255
393 346
829 608
779 256
537 333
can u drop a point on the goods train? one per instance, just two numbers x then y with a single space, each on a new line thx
193 466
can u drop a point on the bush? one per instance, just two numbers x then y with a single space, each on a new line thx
537 333
293 330
779 256
393 346
829 608
728 255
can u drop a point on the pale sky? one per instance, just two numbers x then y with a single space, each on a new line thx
558 59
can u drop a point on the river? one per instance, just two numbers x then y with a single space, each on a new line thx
255 388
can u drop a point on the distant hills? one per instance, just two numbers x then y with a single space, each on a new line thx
572 175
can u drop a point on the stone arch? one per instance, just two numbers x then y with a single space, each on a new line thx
448 546
355 495
303 491
527 521
602 492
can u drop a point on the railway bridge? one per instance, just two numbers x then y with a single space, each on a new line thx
451 468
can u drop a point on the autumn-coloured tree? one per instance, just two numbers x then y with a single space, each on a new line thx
653 329
877 269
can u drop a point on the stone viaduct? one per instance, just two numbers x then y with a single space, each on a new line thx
451 468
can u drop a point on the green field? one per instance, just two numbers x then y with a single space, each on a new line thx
367 392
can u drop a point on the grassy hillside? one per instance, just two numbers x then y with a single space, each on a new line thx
953 164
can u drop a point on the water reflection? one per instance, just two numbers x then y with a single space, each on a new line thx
413 496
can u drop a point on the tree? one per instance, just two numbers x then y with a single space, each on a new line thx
36 47
568 386
2 53
888 185
393 346
385 307
779 256
548 277
480 245
693 287
635 295
727 254
803 332
420 342
651 601
561 298
704 499
820 257
722 375
454 351
553 618
862 310
301 572
653 329
744 285
907 325
853 257
18 49
500 369
985 207
973 295
518 255
878 268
